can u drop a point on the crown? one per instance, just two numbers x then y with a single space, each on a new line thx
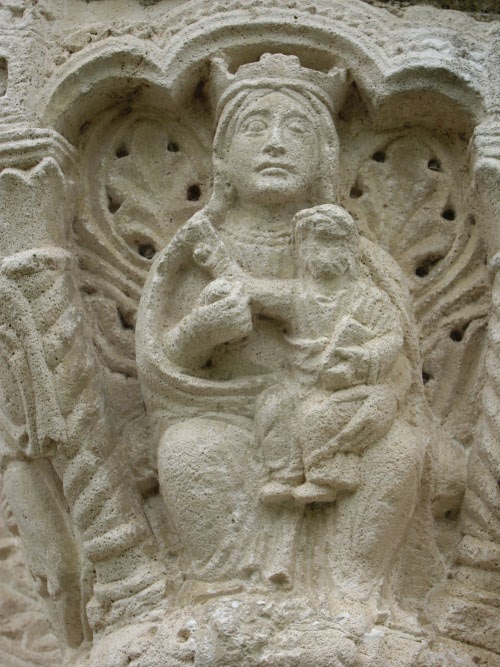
276 70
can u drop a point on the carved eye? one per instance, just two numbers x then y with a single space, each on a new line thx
298 126
254 126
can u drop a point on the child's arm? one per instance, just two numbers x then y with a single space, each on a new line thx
365 345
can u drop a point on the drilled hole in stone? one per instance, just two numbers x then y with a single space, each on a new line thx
448 214
193 193
183 635
121 151
146 250
421 271
153 490
457 333
471 220
434 165
173 147
126 319
199 91
4 76
279 578
426 265
85 126
379 156
452 515
113 204
426 377
355 192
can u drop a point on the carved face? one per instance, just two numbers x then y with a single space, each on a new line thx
273 157
322 253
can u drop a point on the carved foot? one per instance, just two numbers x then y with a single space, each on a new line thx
341 473
276 493
313 493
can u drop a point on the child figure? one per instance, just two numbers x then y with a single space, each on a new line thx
345 344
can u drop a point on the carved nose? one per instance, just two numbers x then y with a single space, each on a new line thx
274 145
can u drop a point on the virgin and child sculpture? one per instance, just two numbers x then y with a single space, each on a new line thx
249 359
277 360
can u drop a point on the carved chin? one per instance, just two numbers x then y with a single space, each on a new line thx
277 187
328 269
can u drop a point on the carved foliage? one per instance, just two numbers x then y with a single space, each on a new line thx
410 191
144 175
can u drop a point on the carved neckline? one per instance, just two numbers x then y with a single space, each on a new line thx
276 237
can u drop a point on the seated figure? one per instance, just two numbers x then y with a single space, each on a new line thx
345 339
248 339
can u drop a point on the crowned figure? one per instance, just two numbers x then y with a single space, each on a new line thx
277 364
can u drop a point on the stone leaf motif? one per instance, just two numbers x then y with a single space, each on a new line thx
403 193
24 189
412 195
151 176
150 172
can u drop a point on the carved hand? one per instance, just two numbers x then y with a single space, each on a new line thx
222 315
345 366
225 305
271 298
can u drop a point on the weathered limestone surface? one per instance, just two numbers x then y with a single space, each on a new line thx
249 334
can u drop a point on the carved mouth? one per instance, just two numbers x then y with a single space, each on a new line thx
275 168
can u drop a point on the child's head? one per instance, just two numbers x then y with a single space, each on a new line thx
326 243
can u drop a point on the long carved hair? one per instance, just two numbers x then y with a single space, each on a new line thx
325 187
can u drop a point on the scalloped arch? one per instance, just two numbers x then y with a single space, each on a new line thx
121 69
102 76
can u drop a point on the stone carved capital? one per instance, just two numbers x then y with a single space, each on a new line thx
241 349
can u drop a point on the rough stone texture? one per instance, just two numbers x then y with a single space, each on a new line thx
482 10
249 334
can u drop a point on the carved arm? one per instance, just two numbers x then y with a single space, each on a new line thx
364 346
221 315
